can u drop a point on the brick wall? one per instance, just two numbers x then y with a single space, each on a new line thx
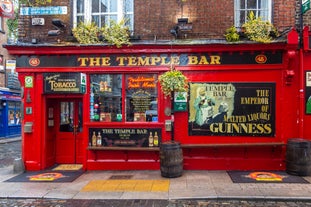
27 31
155 18
4 53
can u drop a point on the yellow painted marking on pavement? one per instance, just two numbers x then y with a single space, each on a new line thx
68 167
127 186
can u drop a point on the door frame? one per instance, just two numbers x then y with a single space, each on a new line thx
52 122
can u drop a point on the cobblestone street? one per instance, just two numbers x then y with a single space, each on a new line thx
8 152
148 203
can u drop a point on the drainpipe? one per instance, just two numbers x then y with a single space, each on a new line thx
301 72
301 94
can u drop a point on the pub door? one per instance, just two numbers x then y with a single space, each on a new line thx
68 124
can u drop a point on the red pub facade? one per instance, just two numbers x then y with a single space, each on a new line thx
72 96
102 106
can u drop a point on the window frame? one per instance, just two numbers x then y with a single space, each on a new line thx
87 14
238 11
125 97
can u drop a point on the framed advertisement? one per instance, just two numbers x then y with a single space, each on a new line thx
232 109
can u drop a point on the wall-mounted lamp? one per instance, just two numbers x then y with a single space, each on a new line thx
59 27
3 103
181 27
34 40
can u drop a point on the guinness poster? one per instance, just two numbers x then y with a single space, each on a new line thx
232 109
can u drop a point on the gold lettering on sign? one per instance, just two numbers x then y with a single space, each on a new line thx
94 61
203 60
151 60
141 82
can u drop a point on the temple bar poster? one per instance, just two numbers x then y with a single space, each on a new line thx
232 109
125 137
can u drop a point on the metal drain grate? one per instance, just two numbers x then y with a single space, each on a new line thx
120 177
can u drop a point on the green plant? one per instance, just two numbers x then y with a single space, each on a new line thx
258 30
232 34
35 2
12 25
86 33
117 33
173 81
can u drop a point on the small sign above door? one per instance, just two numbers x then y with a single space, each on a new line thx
64 83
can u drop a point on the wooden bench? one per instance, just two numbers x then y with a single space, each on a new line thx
233 145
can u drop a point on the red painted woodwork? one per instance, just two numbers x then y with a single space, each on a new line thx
46 147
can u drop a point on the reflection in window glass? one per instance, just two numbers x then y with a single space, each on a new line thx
261 8
14 113
141 98
106 98
66 116
102 11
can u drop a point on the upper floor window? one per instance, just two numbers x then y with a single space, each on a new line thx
261 8
102 11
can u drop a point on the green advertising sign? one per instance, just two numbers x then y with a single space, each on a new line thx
180 101
305 6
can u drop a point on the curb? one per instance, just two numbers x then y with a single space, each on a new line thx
8 140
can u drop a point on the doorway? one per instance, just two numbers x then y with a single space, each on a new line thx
68 131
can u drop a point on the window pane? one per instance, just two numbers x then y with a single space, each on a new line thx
128 4
80 117
106 99
141 98
113 6
114 17
11 116
252 4
80 6
66 116
95 6
95 18
80 19
263 15
242 17
14 113
242 4
129 20
103 20
103 6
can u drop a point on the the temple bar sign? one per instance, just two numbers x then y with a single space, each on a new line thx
134 60
64 82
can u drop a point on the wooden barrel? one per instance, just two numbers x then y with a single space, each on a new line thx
298 157
171 159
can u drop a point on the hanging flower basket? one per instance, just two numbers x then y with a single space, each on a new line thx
173 81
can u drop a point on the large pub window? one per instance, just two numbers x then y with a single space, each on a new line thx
106 97
242 8
140 102
141 98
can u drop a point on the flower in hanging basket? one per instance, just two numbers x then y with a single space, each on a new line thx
173 81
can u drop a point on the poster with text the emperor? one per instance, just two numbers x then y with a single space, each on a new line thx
232 109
